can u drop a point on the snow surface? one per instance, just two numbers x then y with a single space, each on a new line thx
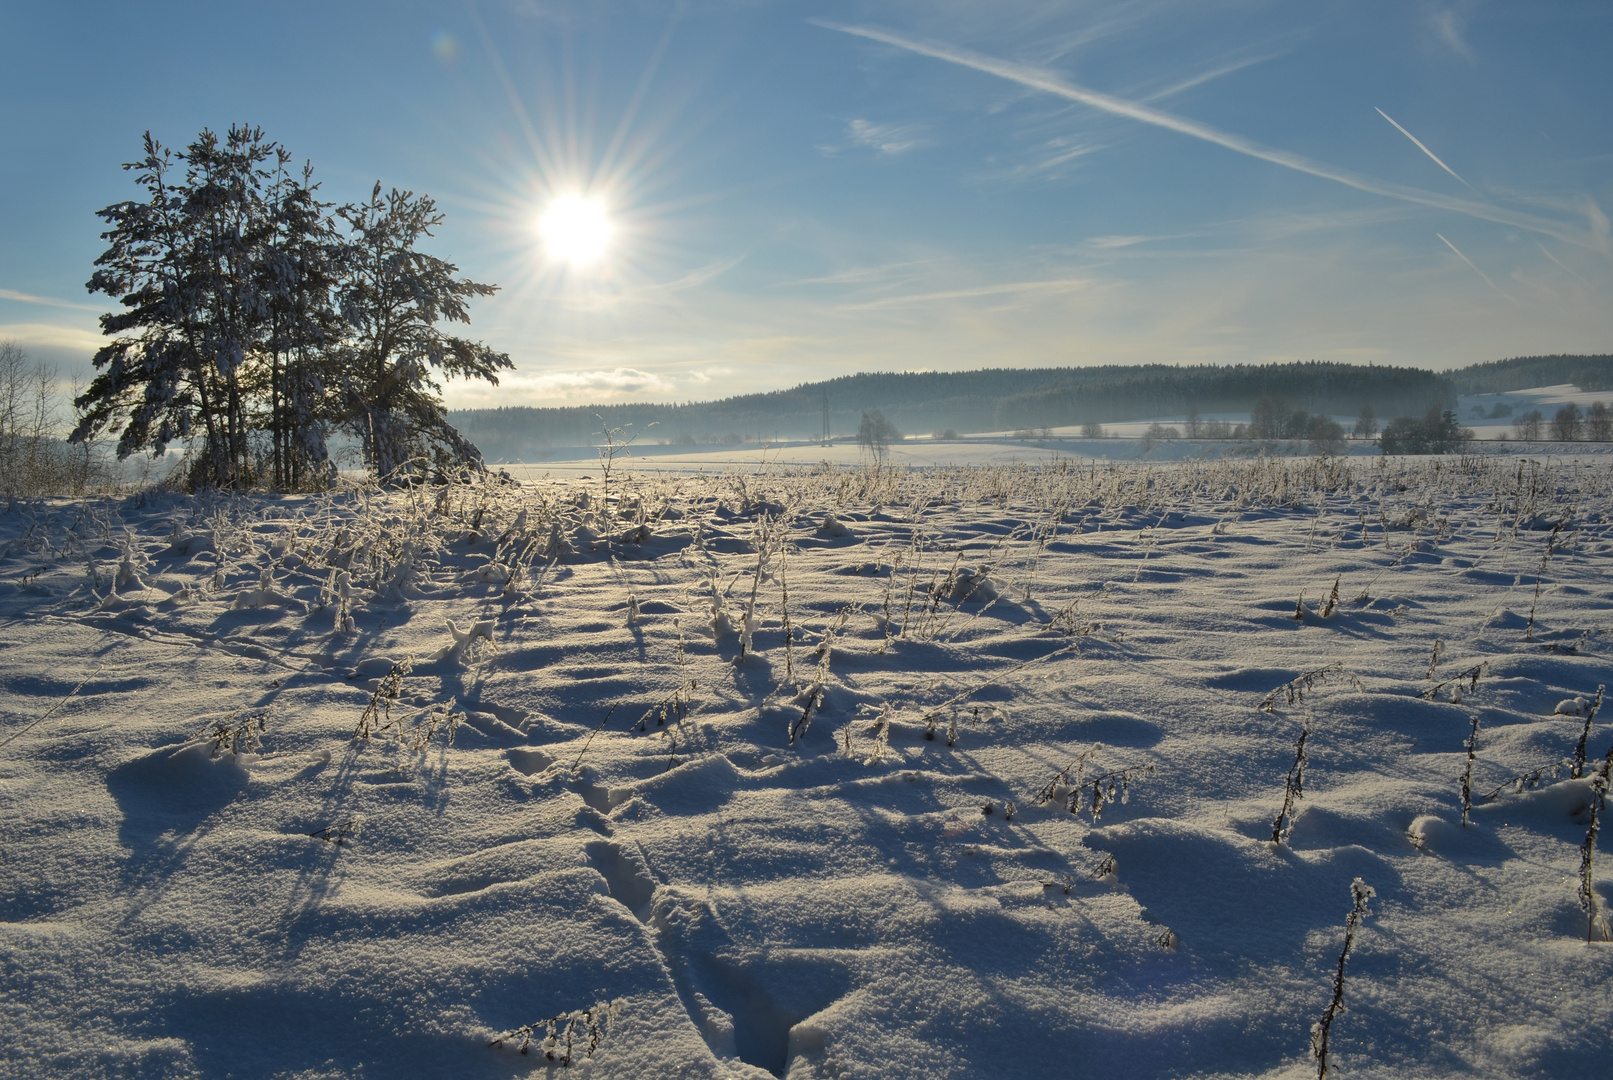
206 874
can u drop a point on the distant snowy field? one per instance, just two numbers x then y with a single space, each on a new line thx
769 771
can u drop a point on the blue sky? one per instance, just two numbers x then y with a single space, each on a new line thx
802 190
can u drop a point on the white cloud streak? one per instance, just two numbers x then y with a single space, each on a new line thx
45 301
47 335
1037 79
1005 288
1424 149
1476 270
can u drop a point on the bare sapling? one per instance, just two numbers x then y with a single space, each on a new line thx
1293 790
1361 893
1596 923
1584 736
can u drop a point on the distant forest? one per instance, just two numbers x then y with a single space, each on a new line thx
1008 399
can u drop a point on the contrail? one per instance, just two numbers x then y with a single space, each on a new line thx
1476 270
1559 262
1425 149
1041 80
1057 285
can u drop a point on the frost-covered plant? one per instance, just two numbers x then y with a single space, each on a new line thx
1332 604
1530 780
236 733
721 624
1293 790
564 1035
440 717
1070 785
1295 690
1467 774
1468 678
338 832
1361 893
1584 736
378 713
764 540
1551 544
675 706
1433 658
1587 885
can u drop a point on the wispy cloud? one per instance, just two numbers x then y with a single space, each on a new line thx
1447 27
1424 149
46 301
862 275
612 382
1000 289
1476 270
885 139
1044 81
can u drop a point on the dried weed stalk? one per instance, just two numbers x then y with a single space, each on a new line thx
235 733
1293 790
1362 893
1071 784
1584 736
1468 679
1595 922
1295 690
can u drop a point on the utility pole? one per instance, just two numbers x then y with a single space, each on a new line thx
826 417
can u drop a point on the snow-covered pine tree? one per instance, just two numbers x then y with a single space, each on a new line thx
300 270
182 264
393 298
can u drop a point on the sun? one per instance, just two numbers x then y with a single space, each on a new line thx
576 230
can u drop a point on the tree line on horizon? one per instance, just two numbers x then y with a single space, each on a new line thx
1008 399
257 320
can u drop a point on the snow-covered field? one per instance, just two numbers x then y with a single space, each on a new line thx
772 773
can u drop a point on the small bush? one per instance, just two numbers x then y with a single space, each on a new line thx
1434 433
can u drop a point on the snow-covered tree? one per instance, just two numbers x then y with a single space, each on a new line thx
182 265
393 298
299 272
